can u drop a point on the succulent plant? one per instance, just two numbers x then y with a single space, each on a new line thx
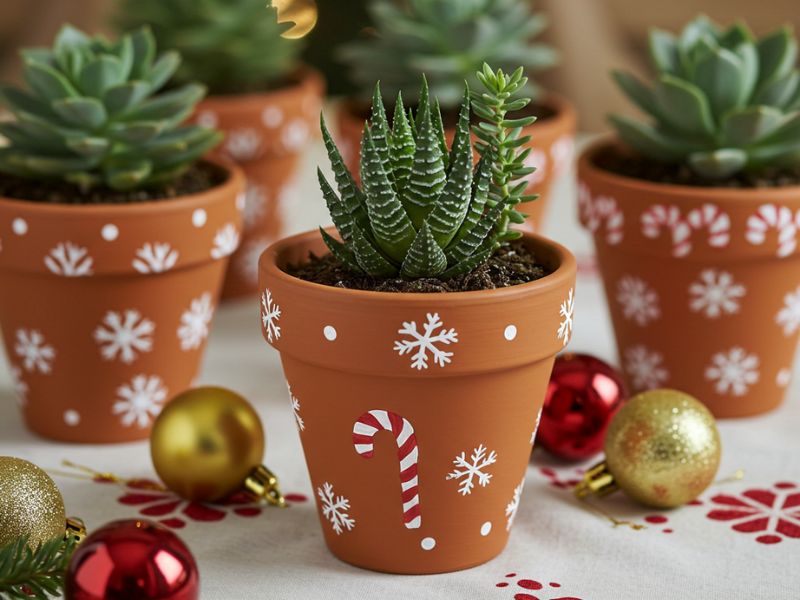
232 46
91 114
722 102
427 210
448 40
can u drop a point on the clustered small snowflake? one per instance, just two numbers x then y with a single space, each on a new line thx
226 240
301 425
733 371
195 322
426 341
645 368
124 335
270 315
140 401
335 509
715 293
35 352
513 506
789 316
155 258
638 300
69 260
467 471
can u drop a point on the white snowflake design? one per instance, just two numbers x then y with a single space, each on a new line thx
35 352
270 315
195 322
789 316
124 335
301 425
255 204
295 135
536 426
425 341
513 506
638 300
226 241
468 470
69 260
733 371
247 258
335 509
155 258
140 401
645 368
20 387
566 313
715 294
243 144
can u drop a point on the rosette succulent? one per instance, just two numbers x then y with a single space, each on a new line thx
448 40
723 101
92 115
426 210
232 46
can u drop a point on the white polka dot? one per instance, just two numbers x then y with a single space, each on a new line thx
199 217
486 528
510 332
428 543
784 377
110 232
207 119
272 116
72 417
329 332
19 226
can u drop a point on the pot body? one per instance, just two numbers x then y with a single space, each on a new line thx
265 133
552 149
106 309
703 285
397 395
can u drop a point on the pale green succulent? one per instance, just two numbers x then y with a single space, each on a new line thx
722 101
448 40
426 210
232 46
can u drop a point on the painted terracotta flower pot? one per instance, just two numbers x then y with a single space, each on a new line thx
552 143
105 309
265 133
416 411
703 284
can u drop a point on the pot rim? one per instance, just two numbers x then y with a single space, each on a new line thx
301 77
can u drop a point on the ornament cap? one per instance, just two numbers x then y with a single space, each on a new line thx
75 530
597 481
263 484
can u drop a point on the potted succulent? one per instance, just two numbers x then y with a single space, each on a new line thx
696 217
418 349
264 101
449 40
115 237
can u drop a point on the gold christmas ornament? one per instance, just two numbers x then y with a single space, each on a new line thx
662 449
208 443
30 503
303 13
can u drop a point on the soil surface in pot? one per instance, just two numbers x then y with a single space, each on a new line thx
513 264
200 177
636 166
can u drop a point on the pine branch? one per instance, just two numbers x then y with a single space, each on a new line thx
38 572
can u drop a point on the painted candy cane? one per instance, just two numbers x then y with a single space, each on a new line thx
708 216
769 217
364 430
601 210
718 224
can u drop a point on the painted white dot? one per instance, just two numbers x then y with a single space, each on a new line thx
428 543
510 332
199 217
783 378
329 332
110 232
486 528
19 226
72 417
272 116
207 119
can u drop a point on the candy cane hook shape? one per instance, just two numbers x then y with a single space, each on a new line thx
364 430
778 218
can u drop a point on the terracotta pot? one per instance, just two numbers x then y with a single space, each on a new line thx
356 378
552 143
265 133
105 309
703 284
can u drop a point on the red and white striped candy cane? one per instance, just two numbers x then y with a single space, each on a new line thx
595 212
717 222
364 430
658 216
769 217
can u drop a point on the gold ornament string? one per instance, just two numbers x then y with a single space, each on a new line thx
87 473
738 475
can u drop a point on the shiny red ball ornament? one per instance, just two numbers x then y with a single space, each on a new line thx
583 395
132 559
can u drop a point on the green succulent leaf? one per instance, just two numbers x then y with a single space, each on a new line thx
341 252
369 259
751 125
719 163
87 113
425 257
427 172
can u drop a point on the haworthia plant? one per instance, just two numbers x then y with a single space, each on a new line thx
91 114
425 210
723 100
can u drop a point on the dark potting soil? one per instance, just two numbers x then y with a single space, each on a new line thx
200 177
511 265
640 167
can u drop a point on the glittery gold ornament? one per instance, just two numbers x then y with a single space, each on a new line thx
662 449
208 443
30 503
303 13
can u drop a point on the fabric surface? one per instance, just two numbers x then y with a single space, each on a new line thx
741 539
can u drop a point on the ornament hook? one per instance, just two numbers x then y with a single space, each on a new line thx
263 484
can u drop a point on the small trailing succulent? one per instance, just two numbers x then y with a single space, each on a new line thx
448 40
426 210
233 46
92 114
34 572
723 101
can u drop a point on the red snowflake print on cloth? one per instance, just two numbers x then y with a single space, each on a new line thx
773 513
524 589
572 478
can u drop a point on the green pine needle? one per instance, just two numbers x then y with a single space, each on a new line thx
38 572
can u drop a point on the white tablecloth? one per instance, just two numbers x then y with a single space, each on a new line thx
558 549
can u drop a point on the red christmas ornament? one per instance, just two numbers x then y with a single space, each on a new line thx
583 394
132 559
